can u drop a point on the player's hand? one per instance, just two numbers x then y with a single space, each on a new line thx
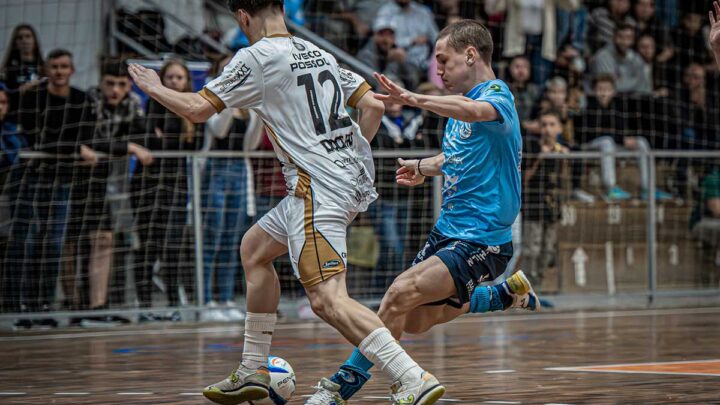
715 26
142 154
407 174
89 156
395 94
146 79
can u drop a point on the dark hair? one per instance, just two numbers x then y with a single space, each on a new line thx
603 78
464 33
59 53
624 26
551 111
253 6
114 68
13 53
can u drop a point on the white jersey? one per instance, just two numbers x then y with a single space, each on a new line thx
300 93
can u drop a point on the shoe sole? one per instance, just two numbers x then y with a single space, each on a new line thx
253 393
431 396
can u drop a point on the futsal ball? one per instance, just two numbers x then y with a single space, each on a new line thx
282 382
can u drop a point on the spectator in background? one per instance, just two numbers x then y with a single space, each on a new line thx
433 126
714 37
655 71
572 27
22 65
228 204
161 195
450 11
526 92
705 220
383 55
619 59
555 98
56 119
690 44
603 23
119 119
571 66
338 22
648 24
603 127
531 29
415 29
698 111
542 182
398 131
11 175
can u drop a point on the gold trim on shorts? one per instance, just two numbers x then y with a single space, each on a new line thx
318 259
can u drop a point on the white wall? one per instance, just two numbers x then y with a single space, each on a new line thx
75 25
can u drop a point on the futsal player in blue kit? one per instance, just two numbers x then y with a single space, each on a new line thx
471 242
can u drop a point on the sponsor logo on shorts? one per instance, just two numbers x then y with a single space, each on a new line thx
330 263
470 287
478 257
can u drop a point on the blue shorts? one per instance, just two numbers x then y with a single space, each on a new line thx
469 263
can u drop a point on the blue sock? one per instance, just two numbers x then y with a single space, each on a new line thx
488 299
505 299
359 361
353 374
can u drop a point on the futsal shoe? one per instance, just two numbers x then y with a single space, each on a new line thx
327 393
521 291
241 386
426 391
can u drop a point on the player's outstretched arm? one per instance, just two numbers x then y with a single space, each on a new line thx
413 172
715 31
458 107
371 113
189 105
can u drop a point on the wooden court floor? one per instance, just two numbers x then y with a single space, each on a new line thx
623 357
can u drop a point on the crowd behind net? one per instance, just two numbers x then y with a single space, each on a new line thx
623 195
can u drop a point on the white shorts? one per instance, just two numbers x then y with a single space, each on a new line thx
314 234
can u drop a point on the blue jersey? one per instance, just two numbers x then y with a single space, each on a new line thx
481 192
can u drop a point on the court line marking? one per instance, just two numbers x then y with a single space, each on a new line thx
632 372
135 393
499 371
502 402
387 398
71 393
596 368
191 393
319 325
12 393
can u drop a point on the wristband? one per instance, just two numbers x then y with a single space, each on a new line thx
418 168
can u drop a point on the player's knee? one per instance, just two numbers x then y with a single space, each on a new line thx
250 255
323 305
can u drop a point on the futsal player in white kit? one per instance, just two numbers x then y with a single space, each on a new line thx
300 93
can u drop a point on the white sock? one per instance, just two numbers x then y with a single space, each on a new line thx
382 349
258 337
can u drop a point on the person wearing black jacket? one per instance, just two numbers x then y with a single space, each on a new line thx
56 119
119 119
160 194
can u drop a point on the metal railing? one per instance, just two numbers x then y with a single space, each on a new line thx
652 211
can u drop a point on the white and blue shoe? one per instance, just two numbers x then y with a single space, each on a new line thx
521 291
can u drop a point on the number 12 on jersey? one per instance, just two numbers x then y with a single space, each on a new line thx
335 122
